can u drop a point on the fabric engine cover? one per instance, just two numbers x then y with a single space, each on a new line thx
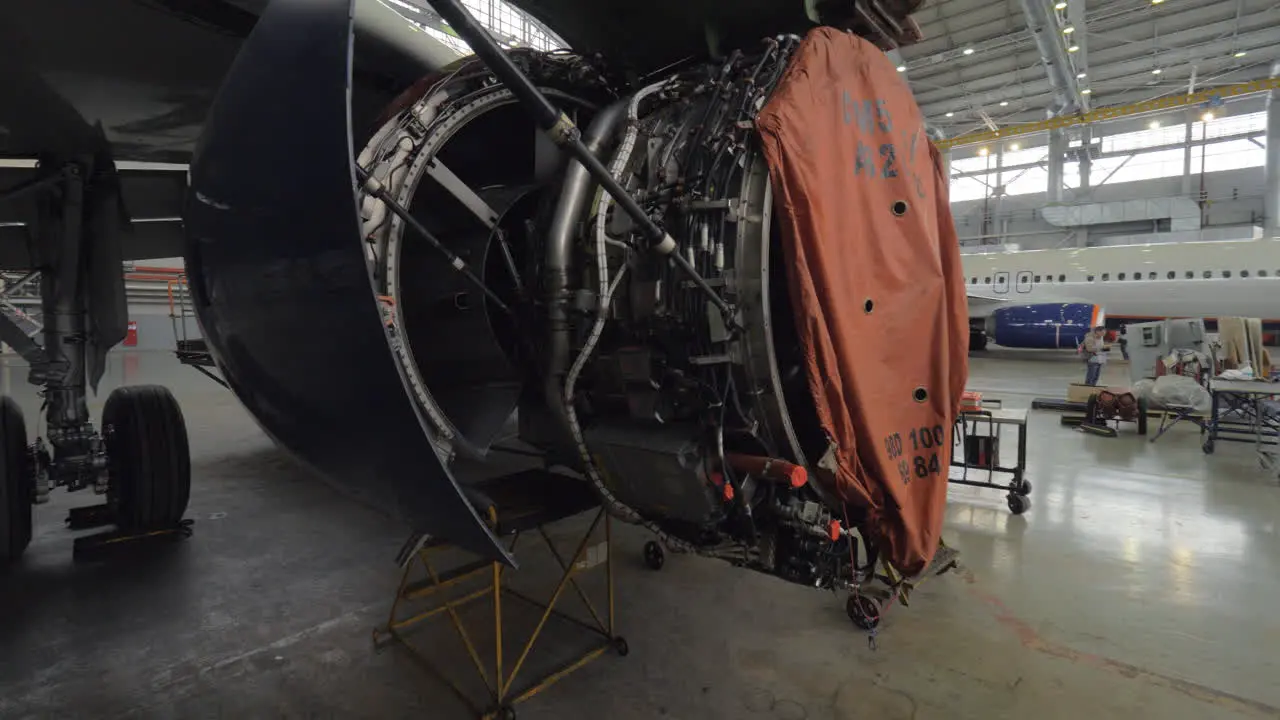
875 280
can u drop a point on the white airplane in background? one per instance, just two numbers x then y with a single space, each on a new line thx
1050 298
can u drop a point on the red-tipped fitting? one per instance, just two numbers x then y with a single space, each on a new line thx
770 468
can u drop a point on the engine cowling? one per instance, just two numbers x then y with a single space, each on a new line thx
385 314
1043 326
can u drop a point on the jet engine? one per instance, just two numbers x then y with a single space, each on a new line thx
479 273
1043 325
616 363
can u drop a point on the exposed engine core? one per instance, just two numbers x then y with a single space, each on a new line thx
543 299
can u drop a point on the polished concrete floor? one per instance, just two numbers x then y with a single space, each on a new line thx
1142 583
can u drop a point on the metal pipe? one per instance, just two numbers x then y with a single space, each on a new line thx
1053 55
563 132
1271 203
573 198
574 192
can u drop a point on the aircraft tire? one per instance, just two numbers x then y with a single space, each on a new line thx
148 457
15 483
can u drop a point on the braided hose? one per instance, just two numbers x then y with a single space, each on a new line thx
606 288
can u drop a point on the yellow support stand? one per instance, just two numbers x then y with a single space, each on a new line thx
515 521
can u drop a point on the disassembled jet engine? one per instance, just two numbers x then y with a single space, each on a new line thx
665 369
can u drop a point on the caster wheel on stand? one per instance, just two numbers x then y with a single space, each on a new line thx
654 556
1208 446
1022 488
1019 504
620 644
150 464
15 483
863 611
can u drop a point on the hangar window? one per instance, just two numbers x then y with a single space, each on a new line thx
1171 275
1208 274
1119 277
1226 273
1037 279
1191 274
1244 273
1063 278
1107 276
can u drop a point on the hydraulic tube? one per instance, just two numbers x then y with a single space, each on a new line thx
561 129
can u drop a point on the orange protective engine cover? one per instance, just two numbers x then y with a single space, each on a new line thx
875 280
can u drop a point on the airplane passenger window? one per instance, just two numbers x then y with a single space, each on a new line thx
1063 278
1244 273
1107 276
1226 273
1137 276
1262 273
1089 278
1191 275
1172 275
1121 277
1037 279
1208 274
986 281
1151 276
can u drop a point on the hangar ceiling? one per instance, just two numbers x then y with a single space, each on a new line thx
985 64
982 65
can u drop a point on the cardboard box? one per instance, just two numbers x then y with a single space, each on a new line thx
1079 392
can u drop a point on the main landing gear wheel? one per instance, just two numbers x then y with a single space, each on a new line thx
654 556
150 461
15 483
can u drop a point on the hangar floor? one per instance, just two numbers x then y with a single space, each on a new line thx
1141 584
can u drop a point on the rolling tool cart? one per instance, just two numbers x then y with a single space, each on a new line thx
976 447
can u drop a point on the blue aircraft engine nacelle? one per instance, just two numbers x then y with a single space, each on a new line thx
1043 325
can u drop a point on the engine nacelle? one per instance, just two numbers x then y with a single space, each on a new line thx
1043 326
383 327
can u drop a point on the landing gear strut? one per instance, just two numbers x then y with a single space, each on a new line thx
141 458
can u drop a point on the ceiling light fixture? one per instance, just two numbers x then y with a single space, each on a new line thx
1156 2
1207 117
1015 147
1068 29
1086 91
1157 71
902 68
1081 76
1155 125
1241 53
1004 103
983 152
1060 5
968 51
951 114
1073 48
